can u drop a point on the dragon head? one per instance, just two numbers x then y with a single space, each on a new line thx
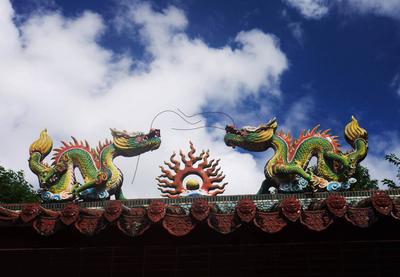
133 144
251 138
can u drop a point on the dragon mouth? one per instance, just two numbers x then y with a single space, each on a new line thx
230 129
154 133
135 143
249 137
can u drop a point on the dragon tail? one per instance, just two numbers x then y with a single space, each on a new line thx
38 150
42 145
353 132
357 137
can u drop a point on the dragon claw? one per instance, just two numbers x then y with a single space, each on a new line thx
75 190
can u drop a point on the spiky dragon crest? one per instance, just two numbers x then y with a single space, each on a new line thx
289 164
101 177
293 145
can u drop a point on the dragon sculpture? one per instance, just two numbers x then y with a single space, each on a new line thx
101 177
288 169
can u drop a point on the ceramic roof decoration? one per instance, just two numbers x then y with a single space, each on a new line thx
224 214
288 170
102 178
198 176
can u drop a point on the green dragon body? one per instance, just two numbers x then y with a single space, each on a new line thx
289 164
101 177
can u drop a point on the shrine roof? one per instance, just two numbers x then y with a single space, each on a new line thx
224 214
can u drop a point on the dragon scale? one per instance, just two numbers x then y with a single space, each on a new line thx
300 156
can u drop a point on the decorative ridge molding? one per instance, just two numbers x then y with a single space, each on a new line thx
179 219
350 196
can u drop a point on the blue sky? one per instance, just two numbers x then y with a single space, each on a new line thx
322 62
345 61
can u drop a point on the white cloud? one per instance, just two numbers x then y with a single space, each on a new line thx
297 31
380 145
297 117
316 9
395 84
310 9
388 8
295 27
54 74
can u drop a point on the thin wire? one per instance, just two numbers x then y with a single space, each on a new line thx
151 127
183 129
217 112
200 127
136 168
174 112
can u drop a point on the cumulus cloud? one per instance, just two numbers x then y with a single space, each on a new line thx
386 143
310 9
298 115
55 74
316 9
395 84
297 31
388 8
295 27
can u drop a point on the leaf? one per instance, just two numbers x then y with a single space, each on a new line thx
390 183
15 189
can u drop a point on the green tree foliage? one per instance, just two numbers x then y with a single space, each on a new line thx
364 181
393 159
14 188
